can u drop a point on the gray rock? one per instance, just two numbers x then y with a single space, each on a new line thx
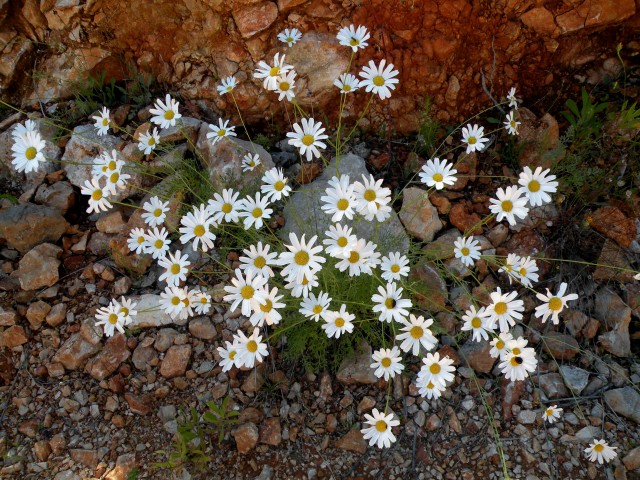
611 310
303 214
357 370
419 217
553 386
39 267
624 401
27 225
60 196
75 351
575 378
527 417
149 312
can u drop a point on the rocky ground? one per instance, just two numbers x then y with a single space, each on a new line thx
75 405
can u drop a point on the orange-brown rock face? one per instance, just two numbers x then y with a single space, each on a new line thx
454 51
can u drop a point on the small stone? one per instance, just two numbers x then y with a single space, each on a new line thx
175 361
8 317
553 386
575 378
13 337
624 401
270 432
27 225
433 423
353 442
203 328
418 216
124 465
246 437
612 223
144 357
29 427
561 346
37 312
138 404
326 391
115 352
88 458
42 450
527 417
477 356
39 267
366 404
75 351
60 196
357 370
632 459
165 339
111 223
57 315
254 382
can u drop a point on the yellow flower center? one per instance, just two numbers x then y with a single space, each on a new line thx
342 204
308 140
289 39
516 351
199 230
229 88
257 212
346 88
369 195
115 176
304 280
507 206
97 194
598 447
274 72
247 292
222 132
515 361
513 124
175 269
159 243
465 251
353 42
203 300
435 368
284 86
437 177
301 258
378 81
416 332
226 208
232 354
105 122
152 141
140 240
252 346
169 114
476 322
499 344
500 308
381 426
279 185
472 140
339 322
113 319
267 306
555 304
390 303
157 212
430 385
259 262
534 186
317 309
385 362
354 257
124 311
395 268
342 242
112 165
549 412
175 300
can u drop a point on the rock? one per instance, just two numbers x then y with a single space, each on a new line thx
185 128
575 320
476 355
614 263
632 459
165 339
353 442
431 291
366 404
13 337
326 391
60 196
126 259
203 328
144 357
597 13
575 378
511 393
88 458
465 219
270 432
357 370
56 315
318 59
8 317
115 352
303 214
39 267
466 165
553 386
37 312
149 313
540 20
75 351
624 401
611 310
527 417
27 225
124 465
418 216
253 383
537 137
255 18
246 437
224 161
112 222
175 361
561 346
42 450
140 404
616 342
29 427
614 224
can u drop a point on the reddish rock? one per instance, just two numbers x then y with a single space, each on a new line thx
466 166
353 442
127 260
140 404
541 21
595 13
270 432
511 393
56 315
252 19
27 225
561 346
175 361
42 450
39 267
356 370
37 312
449 351
246 437
29 427
124 465
611 222
308 173
75 351
13 336
88 458
112 355
464 219
8 317
476 355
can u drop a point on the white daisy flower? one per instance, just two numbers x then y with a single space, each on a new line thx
347 83
111 318
340 240
511 124
636 276
27 152
314 307
600 451
509 204
20 130
537 185
478 322
390 303
362 258
202 303
149 141
225 207
308 138
499 345
303 288
431 390
127 308
394 267
136 241
438 173
553 304
354 38
105 164
270 73
274 185
301 259
227 85
552 413
196 226
467 250
284 86
504 308
473 136
155 211
227 356
171 301
165 114
513 102
258 260
378 79
250 162
267 311
102 121
527 271
339 199
157 242
519 361
220 131
416 333
98 201
188 301
116 180
248 290
254 211
290 36
370 197
336 323
511 265
251 350
175 266
379 430
387 362
436 370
